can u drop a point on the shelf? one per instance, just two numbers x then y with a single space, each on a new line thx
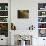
3 16
3 22
41 22
3 10
42 16
41 28
41 10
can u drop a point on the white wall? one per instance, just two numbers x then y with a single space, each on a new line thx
23 24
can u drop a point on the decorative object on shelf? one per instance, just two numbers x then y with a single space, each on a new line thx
3 6
41 25
6 7
4 26
42 32
13 27
41 6
3 13
4 29
23 13
0 7
43 13
45 7
41 19
3 19
31 27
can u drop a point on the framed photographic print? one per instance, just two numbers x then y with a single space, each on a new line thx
23 13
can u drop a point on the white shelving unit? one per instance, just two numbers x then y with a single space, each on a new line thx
42 18
4 23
